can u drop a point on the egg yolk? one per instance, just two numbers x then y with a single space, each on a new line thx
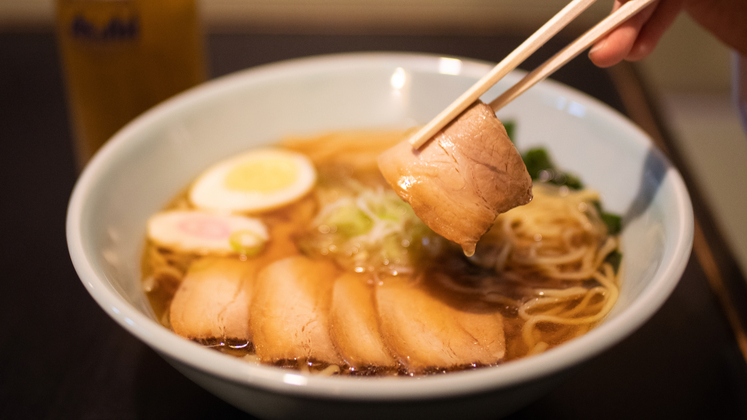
263 176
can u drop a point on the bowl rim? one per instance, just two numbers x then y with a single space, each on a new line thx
454 384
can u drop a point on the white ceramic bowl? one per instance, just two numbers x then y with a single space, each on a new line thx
152 158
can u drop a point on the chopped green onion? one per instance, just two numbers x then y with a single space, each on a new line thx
350 221
389 209
370 229
246 242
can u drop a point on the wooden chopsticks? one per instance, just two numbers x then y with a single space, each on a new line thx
527 48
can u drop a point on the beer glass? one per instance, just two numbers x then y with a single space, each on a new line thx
121 57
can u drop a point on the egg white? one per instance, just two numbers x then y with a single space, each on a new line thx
209 191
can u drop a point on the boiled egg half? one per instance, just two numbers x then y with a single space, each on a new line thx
197 232
254 182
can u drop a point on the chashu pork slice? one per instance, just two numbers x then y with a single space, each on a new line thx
354 325
212 301
290 311
426 333
462 178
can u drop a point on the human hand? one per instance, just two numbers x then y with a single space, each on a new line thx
637 38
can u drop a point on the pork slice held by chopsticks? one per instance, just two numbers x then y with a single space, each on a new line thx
290 311
460 180
212 301
476 119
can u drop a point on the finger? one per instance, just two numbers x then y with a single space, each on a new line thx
599 52
652 31
617 44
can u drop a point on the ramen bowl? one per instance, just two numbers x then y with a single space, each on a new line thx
154 157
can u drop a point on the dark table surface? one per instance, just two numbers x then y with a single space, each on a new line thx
62 357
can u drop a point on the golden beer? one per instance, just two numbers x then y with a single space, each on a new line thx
121 57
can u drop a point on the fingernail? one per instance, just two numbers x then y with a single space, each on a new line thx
599 45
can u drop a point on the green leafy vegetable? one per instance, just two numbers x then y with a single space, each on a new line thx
537 160
614 258
611 220
541 168
510 127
